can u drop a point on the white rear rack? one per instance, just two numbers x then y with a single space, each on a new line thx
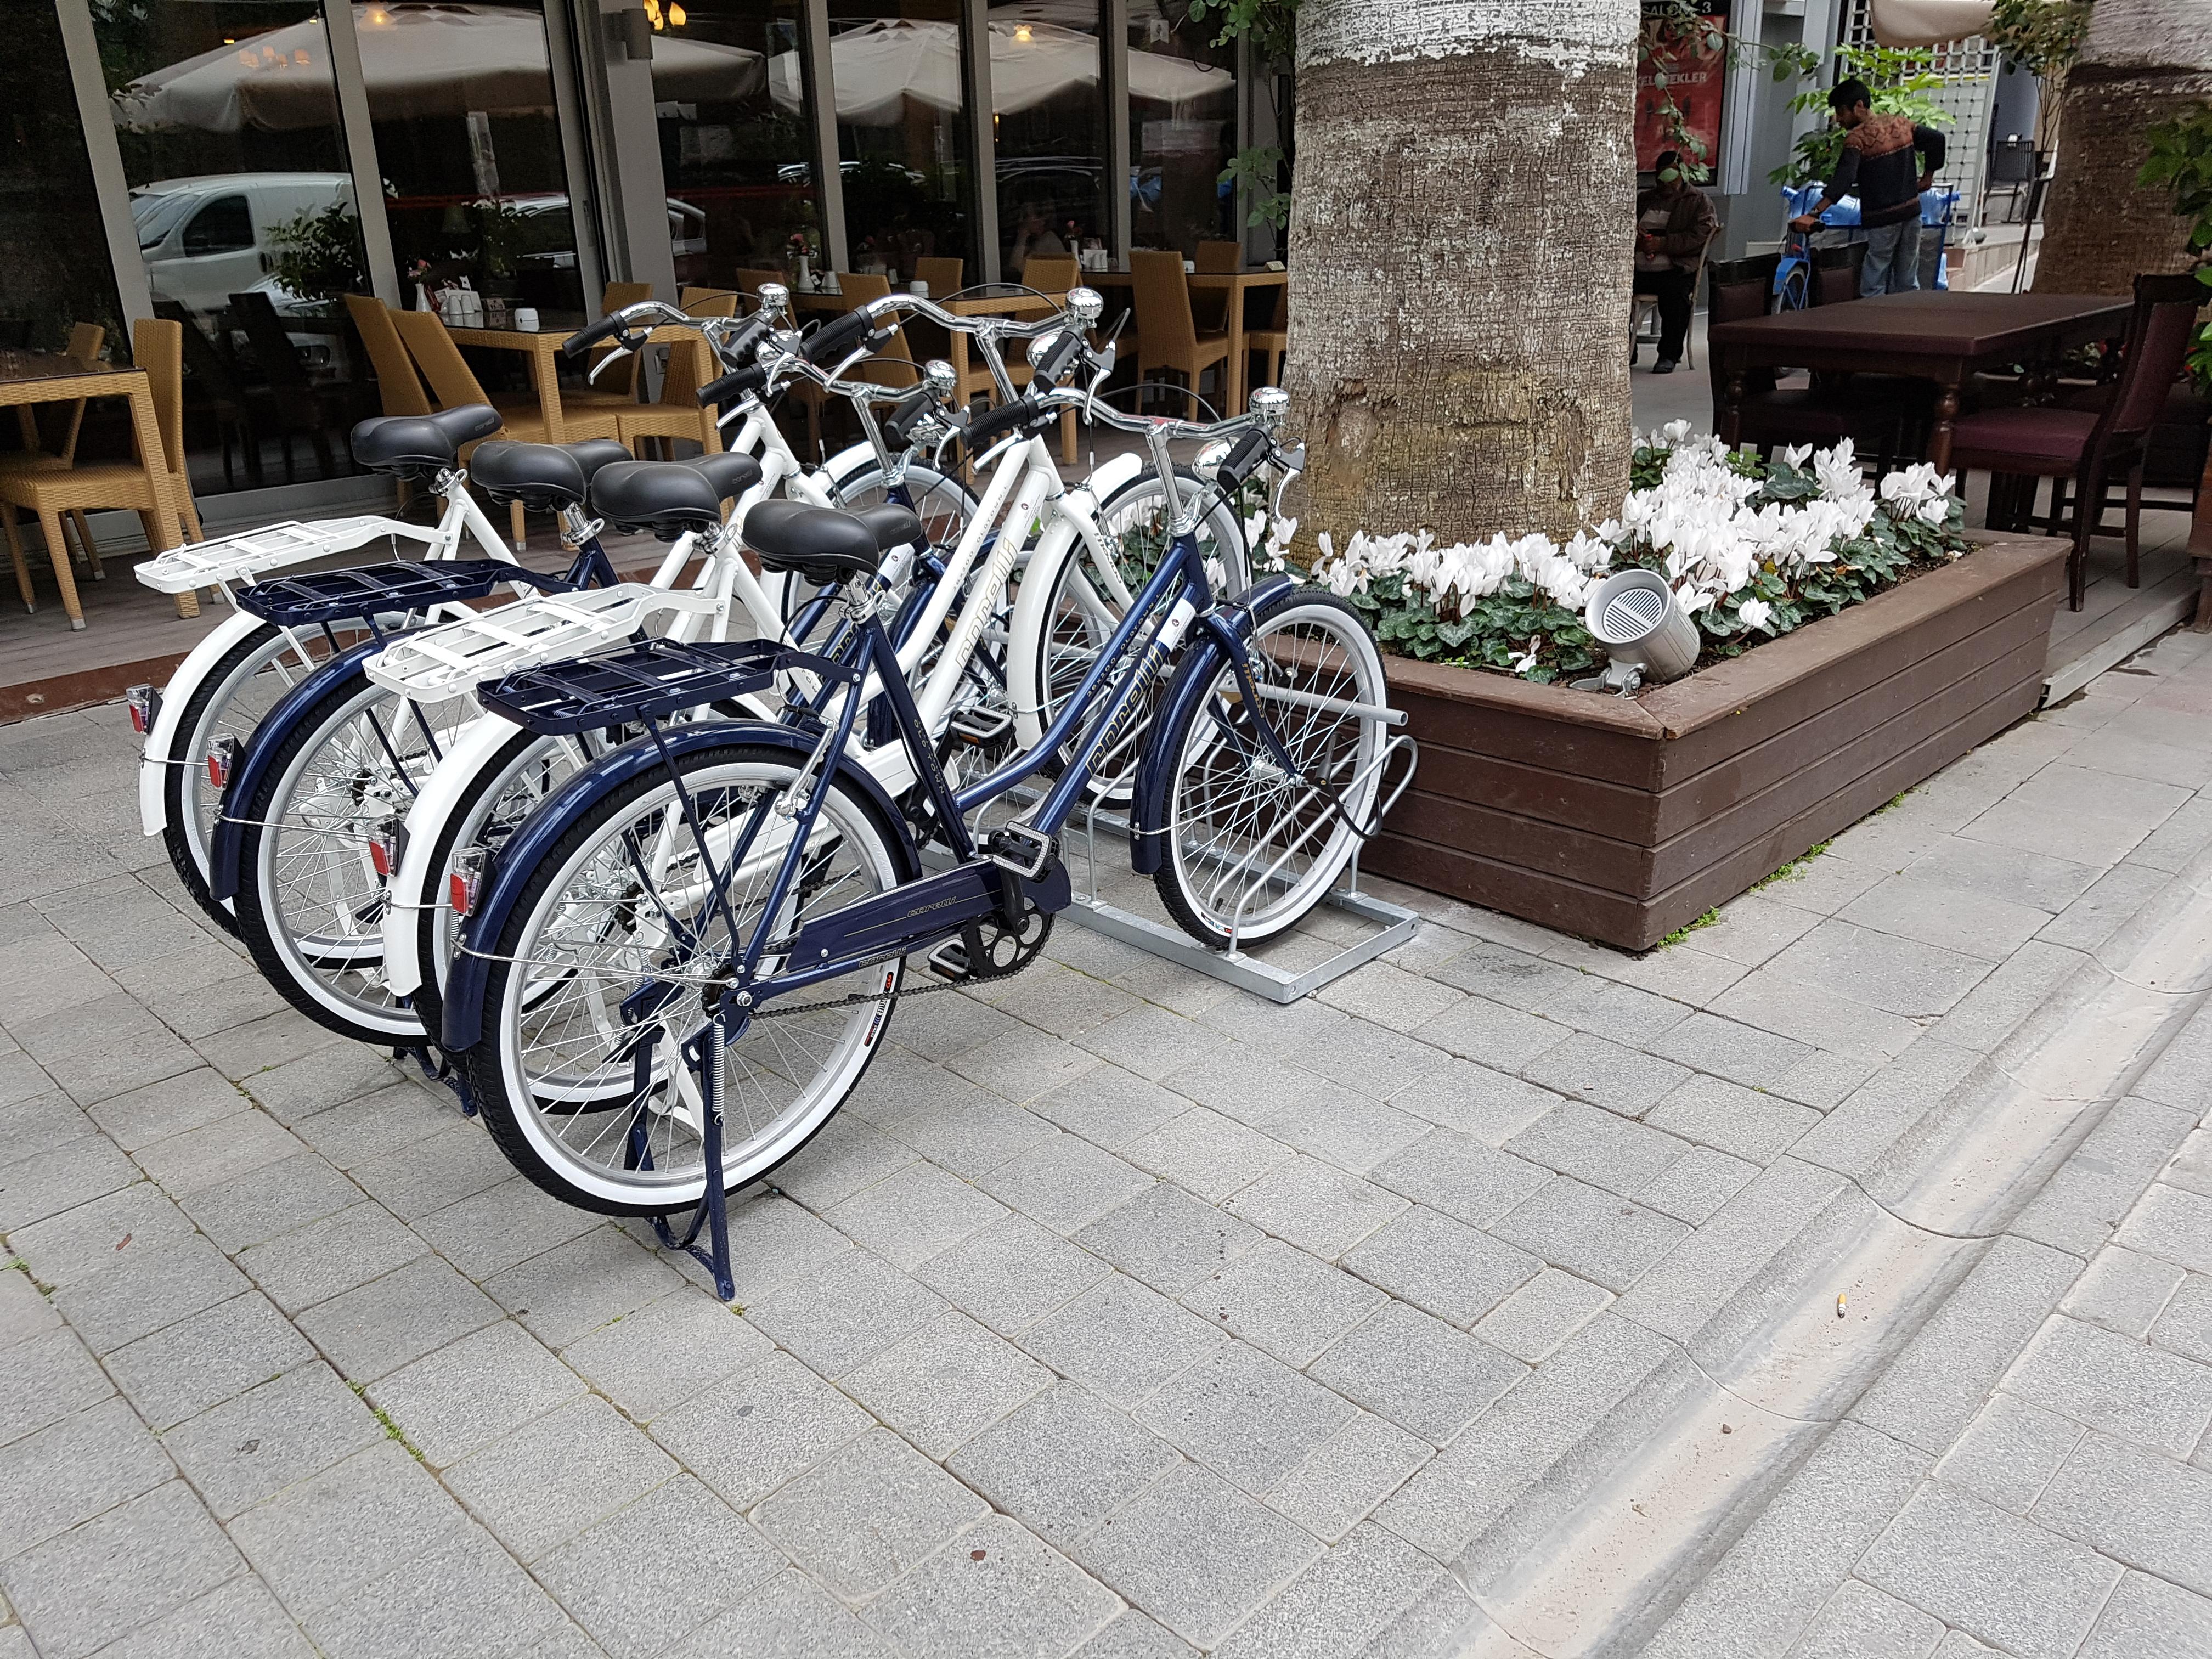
255 553
457 656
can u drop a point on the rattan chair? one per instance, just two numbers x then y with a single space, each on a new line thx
1167 335
945 276
398 383
678 414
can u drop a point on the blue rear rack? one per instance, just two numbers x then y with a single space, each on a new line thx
653 680
375 590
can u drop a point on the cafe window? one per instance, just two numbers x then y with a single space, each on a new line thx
1050 127
735 152
56 272
904 152
1182 129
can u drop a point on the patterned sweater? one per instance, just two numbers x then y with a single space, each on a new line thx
1877 164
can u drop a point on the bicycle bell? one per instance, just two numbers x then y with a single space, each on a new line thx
939 376
1084 305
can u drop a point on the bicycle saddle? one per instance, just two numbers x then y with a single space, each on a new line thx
544 478
731 475
419 446
827 547
666 497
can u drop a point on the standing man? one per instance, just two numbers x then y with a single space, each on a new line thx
1675 221
1888 161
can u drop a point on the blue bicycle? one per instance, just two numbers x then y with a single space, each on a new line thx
678 967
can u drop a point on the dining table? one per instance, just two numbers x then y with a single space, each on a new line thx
1235 285
1941 337
540 349
31 378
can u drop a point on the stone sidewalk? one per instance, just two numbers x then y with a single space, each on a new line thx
1122 1314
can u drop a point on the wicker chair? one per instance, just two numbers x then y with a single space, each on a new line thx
945 276
1168 337
679 413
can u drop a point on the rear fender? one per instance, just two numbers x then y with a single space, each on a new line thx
154 757
544 827
1203 659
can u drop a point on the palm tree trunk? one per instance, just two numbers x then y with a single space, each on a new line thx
2143 61
1460 242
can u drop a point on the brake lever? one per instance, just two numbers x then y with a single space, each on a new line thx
608 359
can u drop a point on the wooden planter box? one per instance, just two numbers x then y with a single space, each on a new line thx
1620 820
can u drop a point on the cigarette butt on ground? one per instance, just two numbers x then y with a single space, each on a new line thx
1843 1301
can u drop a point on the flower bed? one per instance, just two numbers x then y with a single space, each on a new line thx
1753 551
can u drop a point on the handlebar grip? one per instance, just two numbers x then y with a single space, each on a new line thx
1242 461
834 339
734 384
906 414
1053 368
582 340
985 429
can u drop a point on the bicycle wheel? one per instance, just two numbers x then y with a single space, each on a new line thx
1250 849
310 901
229 702
599 975
1082 613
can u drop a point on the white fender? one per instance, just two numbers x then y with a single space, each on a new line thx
409 887
1105 480
856 458
1028 627
154 757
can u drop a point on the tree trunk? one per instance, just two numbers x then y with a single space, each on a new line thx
1460 258
2143 61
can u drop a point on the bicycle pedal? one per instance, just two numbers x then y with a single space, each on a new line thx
977 726
1021 847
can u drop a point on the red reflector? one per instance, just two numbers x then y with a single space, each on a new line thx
141 721
457 885
216 771
379 856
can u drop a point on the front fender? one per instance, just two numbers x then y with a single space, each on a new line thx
228 849
153 758
535 839
1204 658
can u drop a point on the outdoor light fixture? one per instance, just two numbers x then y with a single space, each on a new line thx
1645 632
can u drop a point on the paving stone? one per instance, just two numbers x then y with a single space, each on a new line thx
1167 1238
1011 1273
185 1368
747 1434
321 1537
2174 1224
286 1430
2109 903
1824 1080
1333 1609
238 1619
1417 1371
1019 1066
1695 1186
1491 1033
914 1213
372 1331
846 1315
1516 978
23 1312
1460 1177
2148 1615
865 1515
1121 1338
1063 1002
2110 1382
49 1183
1196 1554
1339 1484
1854 1137
1475 1100
2123 1291
269 1200
1316 1207
1608 1074
1373 1059
1063 1462
576 1287
117 1230
1348 1130
1746 1123
774 1242
1590 1233
190 1100
330 1255
44 1378
1388 996
147 1289
790 1618
1916 906
1817 1014
1205 1153
216 1153
103 1047
2010 1453
135 1563
2146 1510
1861 1622
998 1590
558 1474
1930 1392
319 1079
492 1230
2085 837
1724 1048
971 1136
1778 1580
1065 1182
1132 1636
658 1570
1753 927
409 1153
1535 1320
43 1120
1245 1415
1594 1145
467 1595
1149 1040
468 1394
652 1360
1290 1304
1442 1266
2079 1206
2185 1327
73 1469
947 1383
1991 1574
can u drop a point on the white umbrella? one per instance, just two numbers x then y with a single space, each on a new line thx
1927 22
418 60
876 68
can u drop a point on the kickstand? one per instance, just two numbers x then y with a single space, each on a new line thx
443 1070
704 1055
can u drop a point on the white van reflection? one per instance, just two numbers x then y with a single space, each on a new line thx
208 238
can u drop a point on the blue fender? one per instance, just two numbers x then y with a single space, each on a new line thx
1202 660
228 849
522 852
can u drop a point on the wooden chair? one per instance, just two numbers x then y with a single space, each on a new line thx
298 404
85 341
1051 273
679 413
945 276
1168 338
619 383
399 384
1215 259
157 345
453 385
2087 449
1273 341
1836 273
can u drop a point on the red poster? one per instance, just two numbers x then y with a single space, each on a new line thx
1696 77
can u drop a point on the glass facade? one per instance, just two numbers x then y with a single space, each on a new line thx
904 160
1050 130
1182 129
56 272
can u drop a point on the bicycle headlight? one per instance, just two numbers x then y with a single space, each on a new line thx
1211 457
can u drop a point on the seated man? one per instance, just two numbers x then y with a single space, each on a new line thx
1886 161
1675 220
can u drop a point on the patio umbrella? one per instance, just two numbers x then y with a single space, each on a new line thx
1927 22
876 68
418 60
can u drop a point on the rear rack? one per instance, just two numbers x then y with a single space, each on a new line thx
252 553
375 590
649 682
456 656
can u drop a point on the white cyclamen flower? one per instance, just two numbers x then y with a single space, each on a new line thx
1755 613
1526 661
